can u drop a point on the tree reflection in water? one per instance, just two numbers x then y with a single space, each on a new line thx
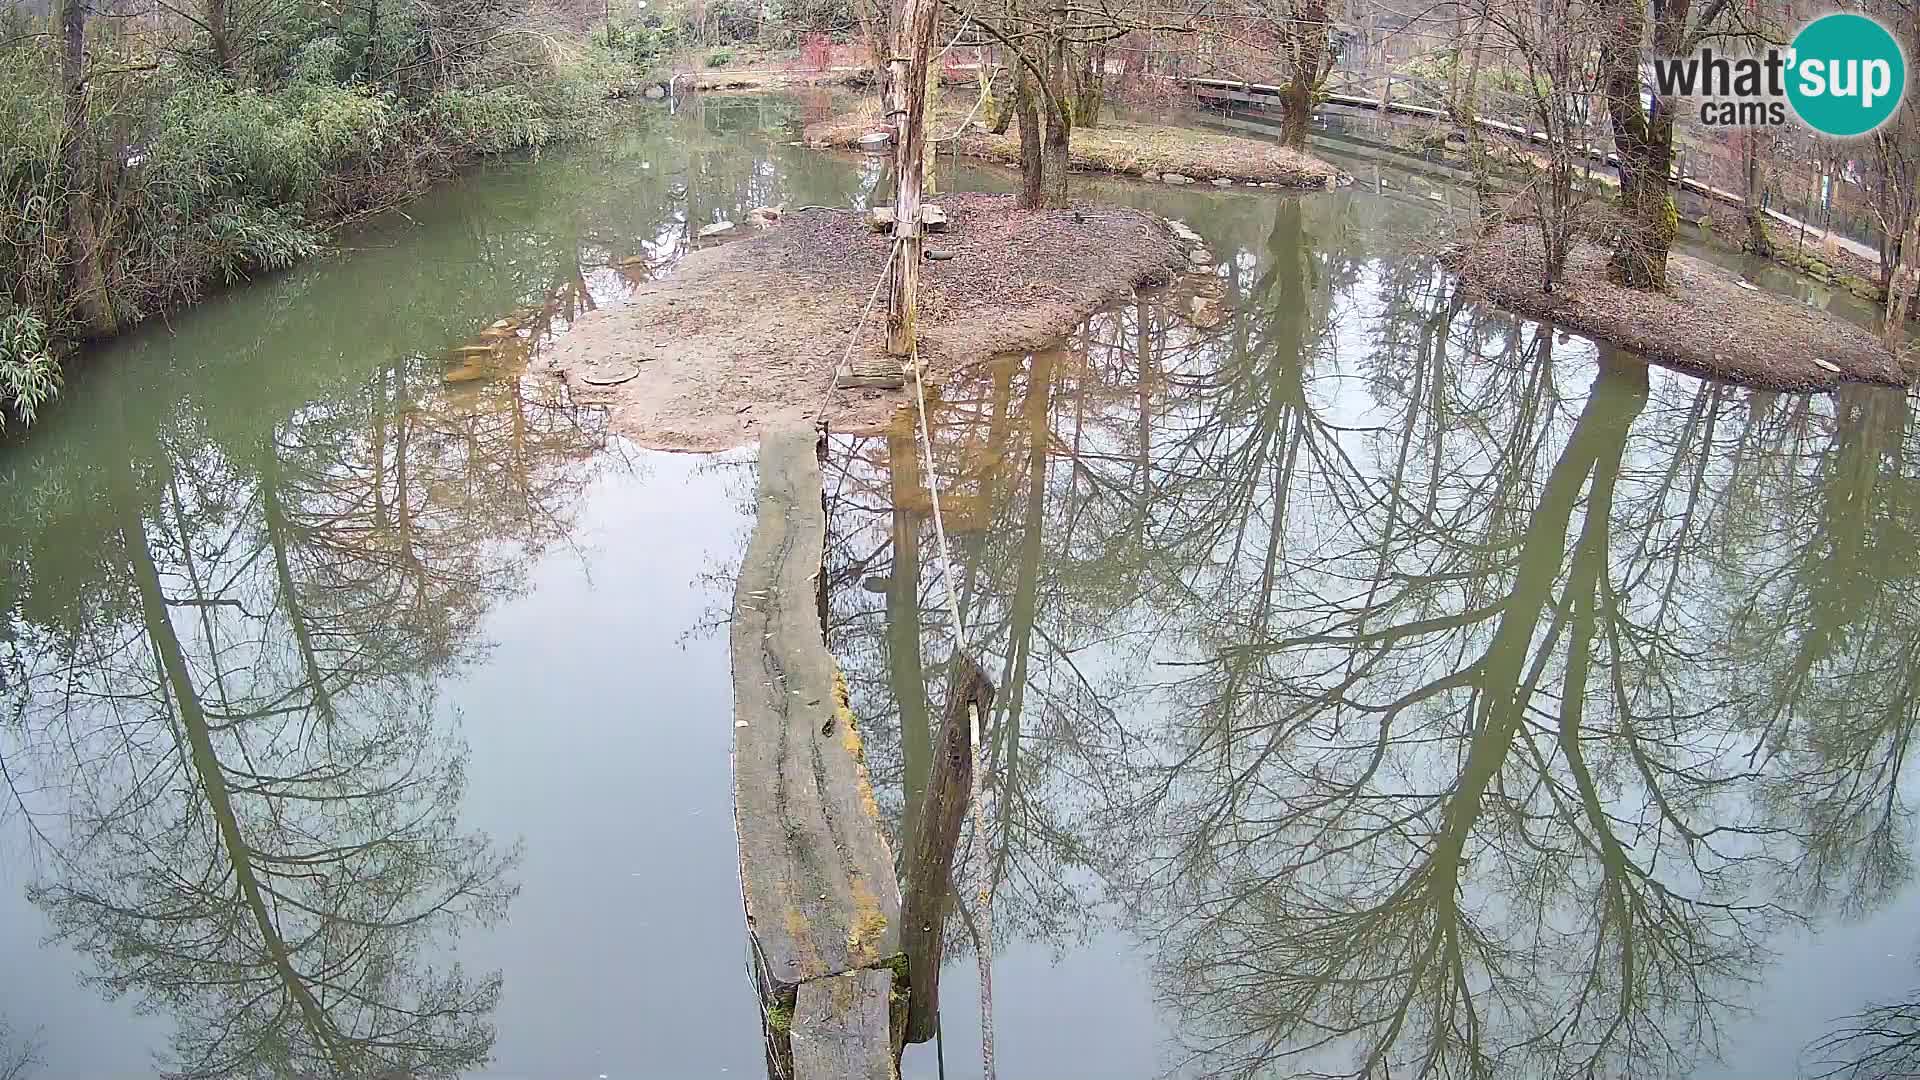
1432 695
225 729
244 561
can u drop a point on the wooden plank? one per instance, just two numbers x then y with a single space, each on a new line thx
930 854
840 1028
816 875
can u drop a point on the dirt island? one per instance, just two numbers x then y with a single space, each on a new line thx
1706 322
749 331
1168 152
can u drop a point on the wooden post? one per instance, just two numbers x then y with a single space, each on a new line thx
907 101
930 858
930 156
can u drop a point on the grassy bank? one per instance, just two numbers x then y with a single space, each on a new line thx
188 170
1158 151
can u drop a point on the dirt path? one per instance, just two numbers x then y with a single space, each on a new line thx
749 331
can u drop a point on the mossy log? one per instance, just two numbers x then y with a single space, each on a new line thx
816 875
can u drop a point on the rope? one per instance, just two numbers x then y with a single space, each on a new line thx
833 377
980 919
946 558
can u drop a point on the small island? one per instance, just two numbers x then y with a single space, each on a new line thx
1169 152
1705 321
749 331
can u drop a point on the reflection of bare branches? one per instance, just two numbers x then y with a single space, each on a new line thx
239 732
1463 707
18 1057
1880 1043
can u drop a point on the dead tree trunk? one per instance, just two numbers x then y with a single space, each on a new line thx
929 868
907 82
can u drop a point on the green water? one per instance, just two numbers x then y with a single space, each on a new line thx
1395 688
1382 679
351 705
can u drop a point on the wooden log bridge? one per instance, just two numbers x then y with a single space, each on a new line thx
817 878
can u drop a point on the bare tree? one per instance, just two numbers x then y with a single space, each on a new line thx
1643 136
1055 50
1549 47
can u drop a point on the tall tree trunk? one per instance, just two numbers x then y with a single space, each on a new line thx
1310 60
1644 145
368 57
930 150
1032 168
1053 157
1902 283
907 100
82 246
1090 85
1756 196
1466 115
1057 104
994 96
220 37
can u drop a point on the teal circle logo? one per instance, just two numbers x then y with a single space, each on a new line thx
1848 75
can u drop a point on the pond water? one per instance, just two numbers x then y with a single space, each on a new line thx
1385 682
1391 687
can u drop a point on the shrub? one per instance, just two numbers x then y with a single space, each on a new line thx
719 58
28 374
197 182
643 44
242 239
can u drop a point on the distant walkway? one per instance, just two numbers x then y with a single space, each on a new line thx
1267 97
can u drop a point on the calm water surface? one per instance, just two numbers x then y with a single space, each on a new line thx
1388 686
1391 687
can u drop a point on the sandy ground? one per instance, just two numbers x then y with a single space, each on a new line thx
1115 146
1705 323
747 333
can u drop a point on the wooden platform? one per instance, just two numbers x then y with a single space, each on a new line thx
816 874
